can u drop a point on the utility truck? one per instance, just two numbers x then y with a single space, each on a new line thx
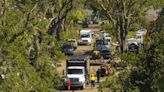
77 72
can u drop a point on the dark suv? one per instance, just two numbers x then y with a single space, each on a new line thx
106 54
68 50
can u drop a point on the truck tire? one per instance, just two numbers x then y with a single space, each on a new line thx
82 87
87 82
65 88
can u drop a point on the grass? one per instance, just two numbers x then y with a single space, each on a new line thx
131 34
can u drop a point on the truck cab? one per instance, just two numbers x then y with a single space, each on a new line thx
85 37
102 44
77 73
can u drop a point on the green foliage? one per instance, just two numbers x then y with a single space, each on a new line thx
124 15
117 82
160 83
21 76
78 11
27 52
71 33
148 66
144 72
78 14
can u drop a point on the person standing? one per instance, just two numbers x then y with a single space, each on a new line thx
98 75
68 85
93 78
117 46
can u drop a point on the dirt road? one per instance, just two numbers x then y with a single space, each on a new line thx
83 50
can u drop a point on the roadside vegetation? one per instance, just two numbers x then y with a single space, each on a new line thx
144 71
31 35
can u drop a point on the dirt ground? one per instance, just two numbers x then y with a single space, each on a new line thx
83 50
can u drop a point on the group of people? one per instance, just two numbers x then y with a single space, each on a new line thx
93 78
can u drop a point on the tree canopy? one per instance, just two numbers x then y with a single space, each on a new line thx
30 31
124 15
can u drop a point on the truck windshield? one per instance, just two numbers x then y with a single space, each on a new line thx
75 71
85 35
67 46
101 42
105 51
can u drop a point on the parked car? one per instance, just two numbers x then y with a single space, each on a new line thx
95 21
73 42
85 23
80 22
106 54
133 45
142 31
68 50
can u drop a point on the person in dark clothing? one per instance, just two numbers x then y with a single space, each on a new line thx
98 75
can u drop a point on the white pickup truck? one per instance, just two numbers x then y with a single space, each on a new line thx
86 37
140 36
77 72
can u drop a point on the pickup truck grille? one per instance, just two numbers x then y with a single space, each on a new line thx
85 40
74 80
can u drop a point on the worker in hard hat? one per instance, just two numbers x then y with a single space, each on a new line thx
93 78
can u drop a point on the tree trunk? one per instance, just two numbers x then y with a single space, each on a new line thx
122 44
57 24
122 40
3 12
123 35
126 28
117 29
123 23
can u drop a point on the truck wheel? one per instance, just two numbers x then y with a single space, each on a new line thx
65 88
87 82
82 87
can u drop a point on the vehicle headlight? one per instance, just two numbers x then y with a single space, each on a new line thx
66 79
81 79
70 49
